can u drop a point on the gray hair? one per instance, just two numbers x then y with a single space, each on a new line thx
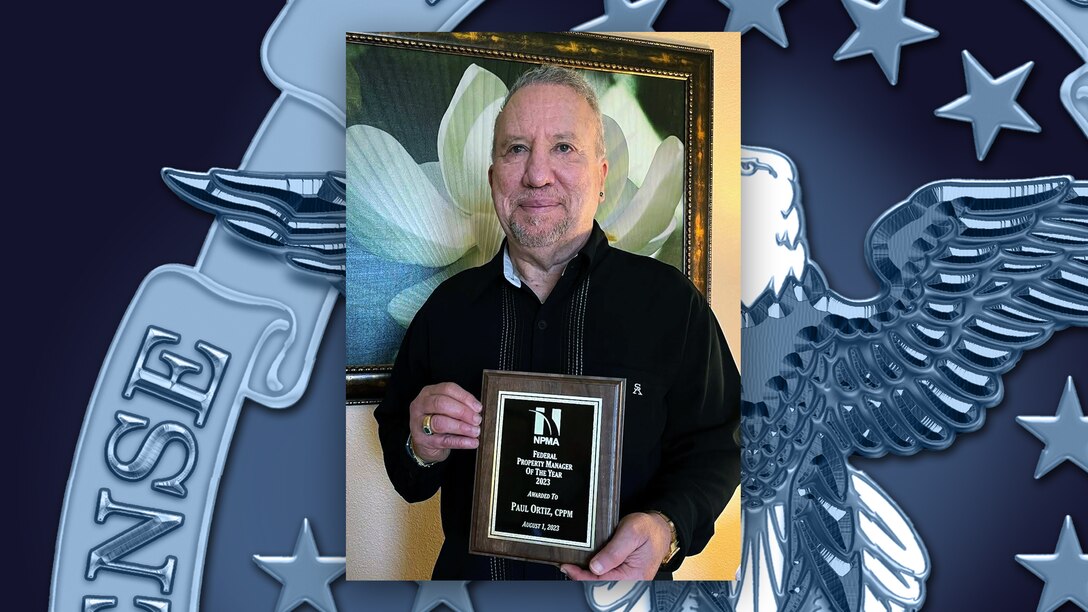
550 74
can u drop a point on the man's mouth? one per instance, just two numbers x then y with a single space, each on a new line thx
536 205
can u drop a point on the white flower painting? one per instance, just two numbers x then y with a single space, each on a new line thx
436 216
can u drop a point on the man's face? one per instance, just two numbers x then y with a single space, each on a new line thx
546 173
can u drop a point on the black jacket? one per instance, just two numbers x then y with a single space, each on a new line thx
611 314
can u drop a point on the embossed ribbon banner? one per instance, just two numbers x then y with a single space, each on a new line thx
159 426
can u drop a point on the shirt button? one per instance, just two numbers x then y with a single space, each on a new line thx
542 325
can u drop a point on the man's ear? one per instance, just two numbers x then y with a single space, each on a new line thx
489 169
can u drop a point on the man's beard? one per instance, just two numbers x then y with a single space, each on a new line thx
535 240
529 233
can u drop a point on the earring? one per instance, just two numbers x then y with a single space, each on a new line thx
601 194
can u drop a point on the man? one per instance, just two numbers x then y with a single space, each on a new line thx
558 299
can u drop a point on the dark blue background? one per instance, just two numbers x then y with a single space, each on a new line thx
99 98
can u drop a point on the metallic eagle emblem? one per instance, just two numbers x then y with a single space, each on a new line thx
973 274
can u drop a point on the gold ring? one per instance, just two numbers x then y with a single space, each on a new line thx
427 425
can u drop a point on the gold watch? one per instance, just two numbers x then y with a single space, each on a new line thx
674 546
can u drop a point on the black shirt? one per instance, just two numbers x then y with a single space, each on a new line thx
612 314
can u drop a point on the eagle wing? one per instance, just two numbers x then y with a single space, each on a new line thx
298 216
973 275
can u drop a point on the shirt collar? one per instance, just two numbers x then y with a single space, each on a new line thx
592 250
508 269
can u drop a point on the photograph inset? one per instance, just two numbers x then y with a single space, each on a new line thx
541 203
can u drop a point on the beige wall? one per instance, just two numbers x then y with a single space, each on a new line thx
388 538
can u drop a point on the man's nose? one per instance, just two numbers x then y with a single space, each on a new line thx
538 168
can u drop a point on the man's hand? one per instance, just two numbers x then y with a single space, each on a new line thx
635 551
454 418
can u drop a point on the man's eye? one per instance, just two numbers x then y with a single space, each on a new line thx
518 148
564 148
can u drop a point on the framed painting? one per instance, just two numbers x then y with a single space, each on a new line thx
420 114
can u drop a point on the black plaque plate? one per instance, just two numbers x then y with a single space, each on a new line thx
547 469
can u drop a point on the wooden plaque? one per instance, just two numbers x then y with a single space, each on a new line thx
548 466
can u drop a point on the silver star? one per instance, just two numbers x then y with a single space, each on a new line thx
305 575
990 104
882 31
760 14
1065 572
1065 434
450 593
624 16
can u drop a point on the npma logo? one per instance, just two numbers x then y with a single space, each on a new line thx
546 426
